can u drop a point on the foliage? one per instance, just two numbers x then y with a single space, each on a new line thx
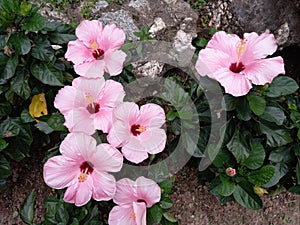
30 65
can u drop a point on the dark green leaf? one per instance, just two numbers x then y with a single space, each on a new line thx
47 74
34 23
243 109
229 102
275 136
167 186
56 122
171 115
10 68
227 186
273 114
44 127
166 203
5 109
42 50
154 214
159 172
19 85
27 208
257 104
280 155
8 128
59 38
281 85
200 43
262 176
295 117
245 196
5 170
295 189
2 42
21 43
26 117
256 157
280 170
238 146
223 157
298 172
3 144
169 217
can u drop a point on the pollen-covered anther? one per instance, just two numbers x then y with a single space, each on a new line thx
132 215
241 49
137 129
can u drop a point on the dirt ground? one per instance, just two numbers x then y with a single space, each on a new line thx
193 204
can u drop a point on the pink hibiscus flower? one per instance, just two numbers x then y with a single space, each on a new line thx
238 63
83 169
138 131
133 198
88 104
96 49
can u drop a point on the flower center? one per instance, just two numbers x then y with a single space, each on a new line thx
137 129
132 215
86 168
98 53
92 107
237 67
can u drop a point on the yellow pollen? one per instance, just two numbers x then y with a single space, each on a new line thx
89 99
132 215
82 177
240 49
94 45
141 129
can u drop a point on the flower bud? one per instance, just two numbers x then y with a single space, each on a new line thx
230 172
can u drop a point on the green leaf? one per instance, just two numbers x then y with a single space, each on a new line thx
5 170
222 157
44 127
27 208
238 146
169 217
10 68
42 50
26 117
227 187
201 43
8 128
275 136
60 38
25 8
229 102
3 144
47 74
245 196
166 203
273 114
295 189
171 115
154 214
282 154
262 176
5 109
298 172
257 104
56 122
281 169
34 23
19 85
243 109
21 43
256 157
167 186
280 86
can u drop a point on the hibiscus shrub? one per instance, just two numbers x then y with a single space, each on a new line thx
32 69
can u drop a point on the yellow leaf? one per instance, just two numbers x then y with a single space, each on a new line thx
38 106
259 191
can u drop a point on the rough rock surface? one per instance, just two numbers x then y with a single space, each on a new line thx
281 17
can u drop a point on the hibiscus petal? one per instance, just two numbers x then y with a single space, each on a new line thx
112 94
122 215
125 193
60 172
235 84
258 46
225 43
211 60
78 53
134 151
104 186
105 158
119 134
139 209
68 98
91 69
147 190
90 86
127 112
89 30
80 120
114 62
155 142
103 120
152 115
112 38
264 71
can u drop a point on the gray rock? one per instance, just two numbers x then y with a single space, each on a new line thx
99 5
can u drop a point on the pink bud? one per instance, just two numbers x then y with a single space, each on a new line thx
230 172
